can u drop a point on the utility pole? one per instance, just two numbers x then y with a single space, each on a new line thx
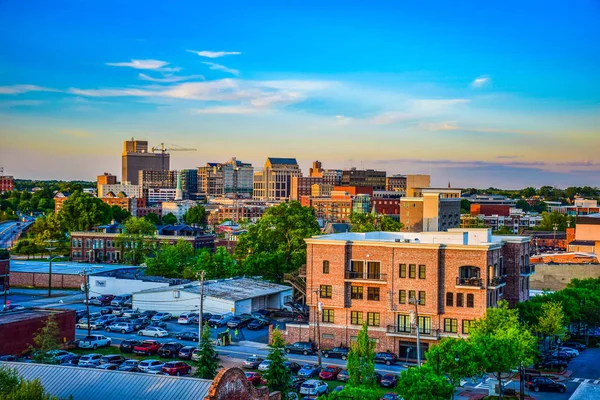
555 228
201 314
86 286
50 249
416 302
318 309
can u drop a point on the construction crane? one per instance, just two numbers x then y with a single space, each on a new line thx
164 147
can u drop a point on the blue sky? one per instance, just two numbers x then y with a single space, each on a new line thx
503 94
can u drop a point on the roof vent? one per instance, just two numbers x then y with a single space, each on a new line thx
398 240
406 240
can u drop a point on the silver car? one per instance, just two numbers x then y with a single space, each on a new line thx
90 359
122 327
150 365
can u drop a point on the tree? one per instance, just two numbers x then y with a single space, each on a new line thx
13 387
45 228
465 206
277 240
504 230
371 222
523 205
136 240
361 365
169 219
353 393
219 264
454 359
171 261
195 215
118 214
424 384
502 342
207 362
388 224
551 322
278 375
153 218
549 220
46 338
81 211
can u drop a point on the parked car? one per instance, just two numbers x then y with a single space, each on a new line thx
157 324
296 382
185 352
150 365
112 359
127 345
219 320
390 396
102 300
554 365
263 312
256 324
140 323
72 362
129 366
336 352
119 300
252 362
187 318
196 355
106 311
563 355
329 373
388 381
575 345
89 359
128 303
106 319
314 388
239 322
309 370
569 350
94 341
147 347
170 349
343 376
193 336
79 314
9 358
149 313
305 348
541 383
386 358
264 366
121 320
253 377
93 324
176 368
56 356
131 314
292 366
120 327
154 332
161 316
108 367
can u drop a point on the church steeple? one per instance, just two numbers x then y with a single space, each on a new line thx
178 191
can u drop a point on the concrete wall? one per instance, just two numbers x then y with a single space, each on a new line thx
556 277
109 285
167 301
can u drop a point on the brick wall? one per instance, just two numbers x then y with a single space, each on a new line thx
59 281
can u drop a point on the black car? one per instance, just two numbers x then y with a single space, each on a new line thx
72 362
296 382
574 345
79 314
112 359
185 353
158 324
386 358
149 313
292 366
388 380
336 352
170 349
256 324
139 323
128 345
541 383
552 364
9 358
105 311
239 322
305 348
193 336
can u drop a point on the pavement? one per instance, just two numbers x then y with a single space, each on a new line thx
10 231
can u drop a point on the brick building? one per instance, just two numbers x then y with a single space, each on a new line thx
7 183
496 216
370 277
364 177
330 176
336 208
396 183
235 212
302 186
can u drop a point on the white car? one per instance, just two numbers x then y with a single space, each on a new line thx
90 359
150 365
154 332
569 350
187 318
94 341
314 387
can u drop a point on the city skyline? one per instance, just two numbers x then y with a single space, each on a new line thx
503 96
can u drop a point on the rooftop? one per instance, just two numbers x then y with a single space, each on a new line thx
65 268
102 384
8 317
289 161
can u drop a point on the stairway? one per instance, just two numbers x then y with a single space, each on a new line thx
298 281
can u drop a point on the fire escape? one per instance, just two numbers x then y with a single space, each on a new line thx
298 281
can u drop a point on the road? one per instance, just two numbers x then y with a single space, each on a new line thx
10 231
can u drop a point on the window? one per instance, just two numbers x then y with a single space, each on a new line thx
467 325
422 269
356 293
373 318
357 266
403 323
412 271
325 267
327 315
373 293
327 336
421 298
356 318
450 325
402 270
402 297
326 291
425 325
411 295
470 300
459 300
449 299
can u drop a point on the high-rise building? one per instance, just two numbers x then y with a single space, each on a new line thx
136 157
364 177
211 180
330 176
396 183
157 179
430 210
416 181
189 183
231 178
106 179
274 181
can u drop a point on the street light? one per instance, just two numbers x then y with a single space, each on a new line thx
50 249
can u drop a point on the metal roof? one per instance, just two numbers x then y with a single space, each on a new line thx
64 268
277 160
96 384
9 317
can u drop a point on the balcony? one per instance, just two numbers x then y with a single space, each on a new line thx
527 270
366 276
428 333
497 281
475 282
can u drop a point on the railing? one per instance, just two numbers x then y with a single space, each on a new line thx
527 269
412 331
366 276
497 281
471 282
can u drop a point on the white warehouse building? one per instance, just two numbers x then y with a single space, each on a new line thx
235 295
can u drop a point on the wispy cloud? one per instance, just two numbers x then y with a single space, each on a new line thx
390 117
509 157
141 64
438 126
481 82
239 110
219 67
18 89
584 163
69 132
470 163
214 54
454 126
169 79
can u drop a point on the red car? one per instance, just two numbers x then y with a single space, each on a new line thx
147 347
329 373
253 377
176 368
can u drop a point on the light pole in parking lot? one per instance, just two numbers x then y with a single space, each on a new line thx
86 285
201 313
50 249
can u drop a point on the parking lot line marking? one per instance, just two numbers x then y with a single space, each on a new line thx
586 380
575 379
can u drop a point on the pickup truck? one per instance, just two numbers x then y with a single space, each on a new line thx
147 347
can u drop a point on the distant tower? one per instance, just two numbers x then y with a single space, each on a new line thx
448 184
178 191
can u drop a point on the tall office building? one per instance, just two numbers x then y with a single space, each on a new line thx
274 181
136 157
233 178
364 177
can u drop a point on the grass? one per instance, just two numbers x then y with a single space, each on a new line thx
379 391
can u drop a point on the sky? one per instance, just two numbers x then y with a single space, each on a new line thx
479 94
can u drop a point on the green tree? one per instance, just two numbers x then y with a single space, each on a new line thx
278 375
137 239
81 212
13 387
9 380
502 343
46 338
195 215
454 359
388 224
352 393
362 222
503 230
561 221
219 264
169 219
49 227
118 214
465 206
523 205
361 364
424 384
275 244
551 322
170 261
207 362
153 218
